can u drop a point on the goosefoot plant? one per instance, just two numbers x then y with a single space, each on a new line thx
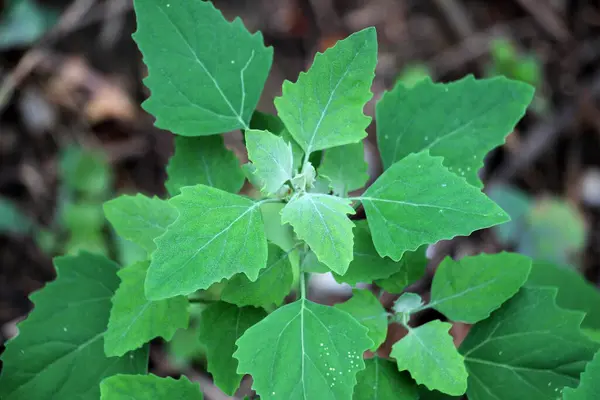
249 258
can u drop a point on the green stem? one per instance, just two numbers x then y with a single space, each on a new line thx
303 285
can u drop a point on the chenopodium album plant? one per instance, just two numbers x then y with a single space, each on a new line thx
87 335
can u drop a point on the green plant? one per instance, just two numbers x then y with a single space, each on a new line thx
248 259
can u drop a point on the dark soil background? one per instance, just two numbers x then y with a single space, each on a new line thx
82 83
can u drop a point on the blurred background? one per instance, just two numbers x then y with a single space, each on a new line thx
73 134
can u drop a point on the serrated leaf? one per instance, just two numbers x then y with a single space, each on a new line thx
428 353
134 320
574 291
310 263
59 351
139 218
280 234
418 201
272 157
411 269
529 345
367 310
205 73
221 325
273 284
203 160
468 290
148 387
216 236
367 265
345 166
304 350
381 380
320 220
478 114
324 108
589 387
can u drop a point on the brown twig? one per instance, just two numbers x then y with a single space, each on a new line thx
546 18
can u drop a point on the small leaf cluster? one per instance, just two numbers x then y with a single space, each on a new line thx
246 258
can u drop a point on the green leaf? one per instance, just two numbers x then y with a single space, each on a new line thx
411 269
324 108
148 387
272 157
185 347
418 201
345 166
517 204
280 234
367 265
367 310
468 290
574 291
59 351
82 217
12 220
304 350
134 320
220 326
273 284
381 380
460 121
428 353
216 236
320 220
139 218
528 345
23 22
266 122
407 303
203 160
205 73
589 388
85 171
310 263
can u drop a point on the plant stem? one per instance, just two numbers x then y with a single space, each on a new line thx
197 300
303 285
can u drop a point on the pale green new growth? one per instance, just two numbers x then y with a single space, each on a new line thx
135 320
381 380
203 160
367 310
221 324
407 303
468 290
205 73
324 108
139 218
148 387
272 158
418 201
216 236
303 351
320 220
428 353
59 351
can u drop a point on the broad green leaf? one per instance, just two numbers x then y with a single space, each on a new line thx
460 121
345 166
203 160
272 157
556 232
381 380
139 218
12 219
468 290
92 242
528 345
418 201
428 353
367 310
134 320
367 265
324 108
320 220
59 351
304 350
216 236
82 217
24 21
273 284
205 73
148 387
574 292
185 346
221 325
589 387
310 263
297 151
516 204
411 269
280 234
